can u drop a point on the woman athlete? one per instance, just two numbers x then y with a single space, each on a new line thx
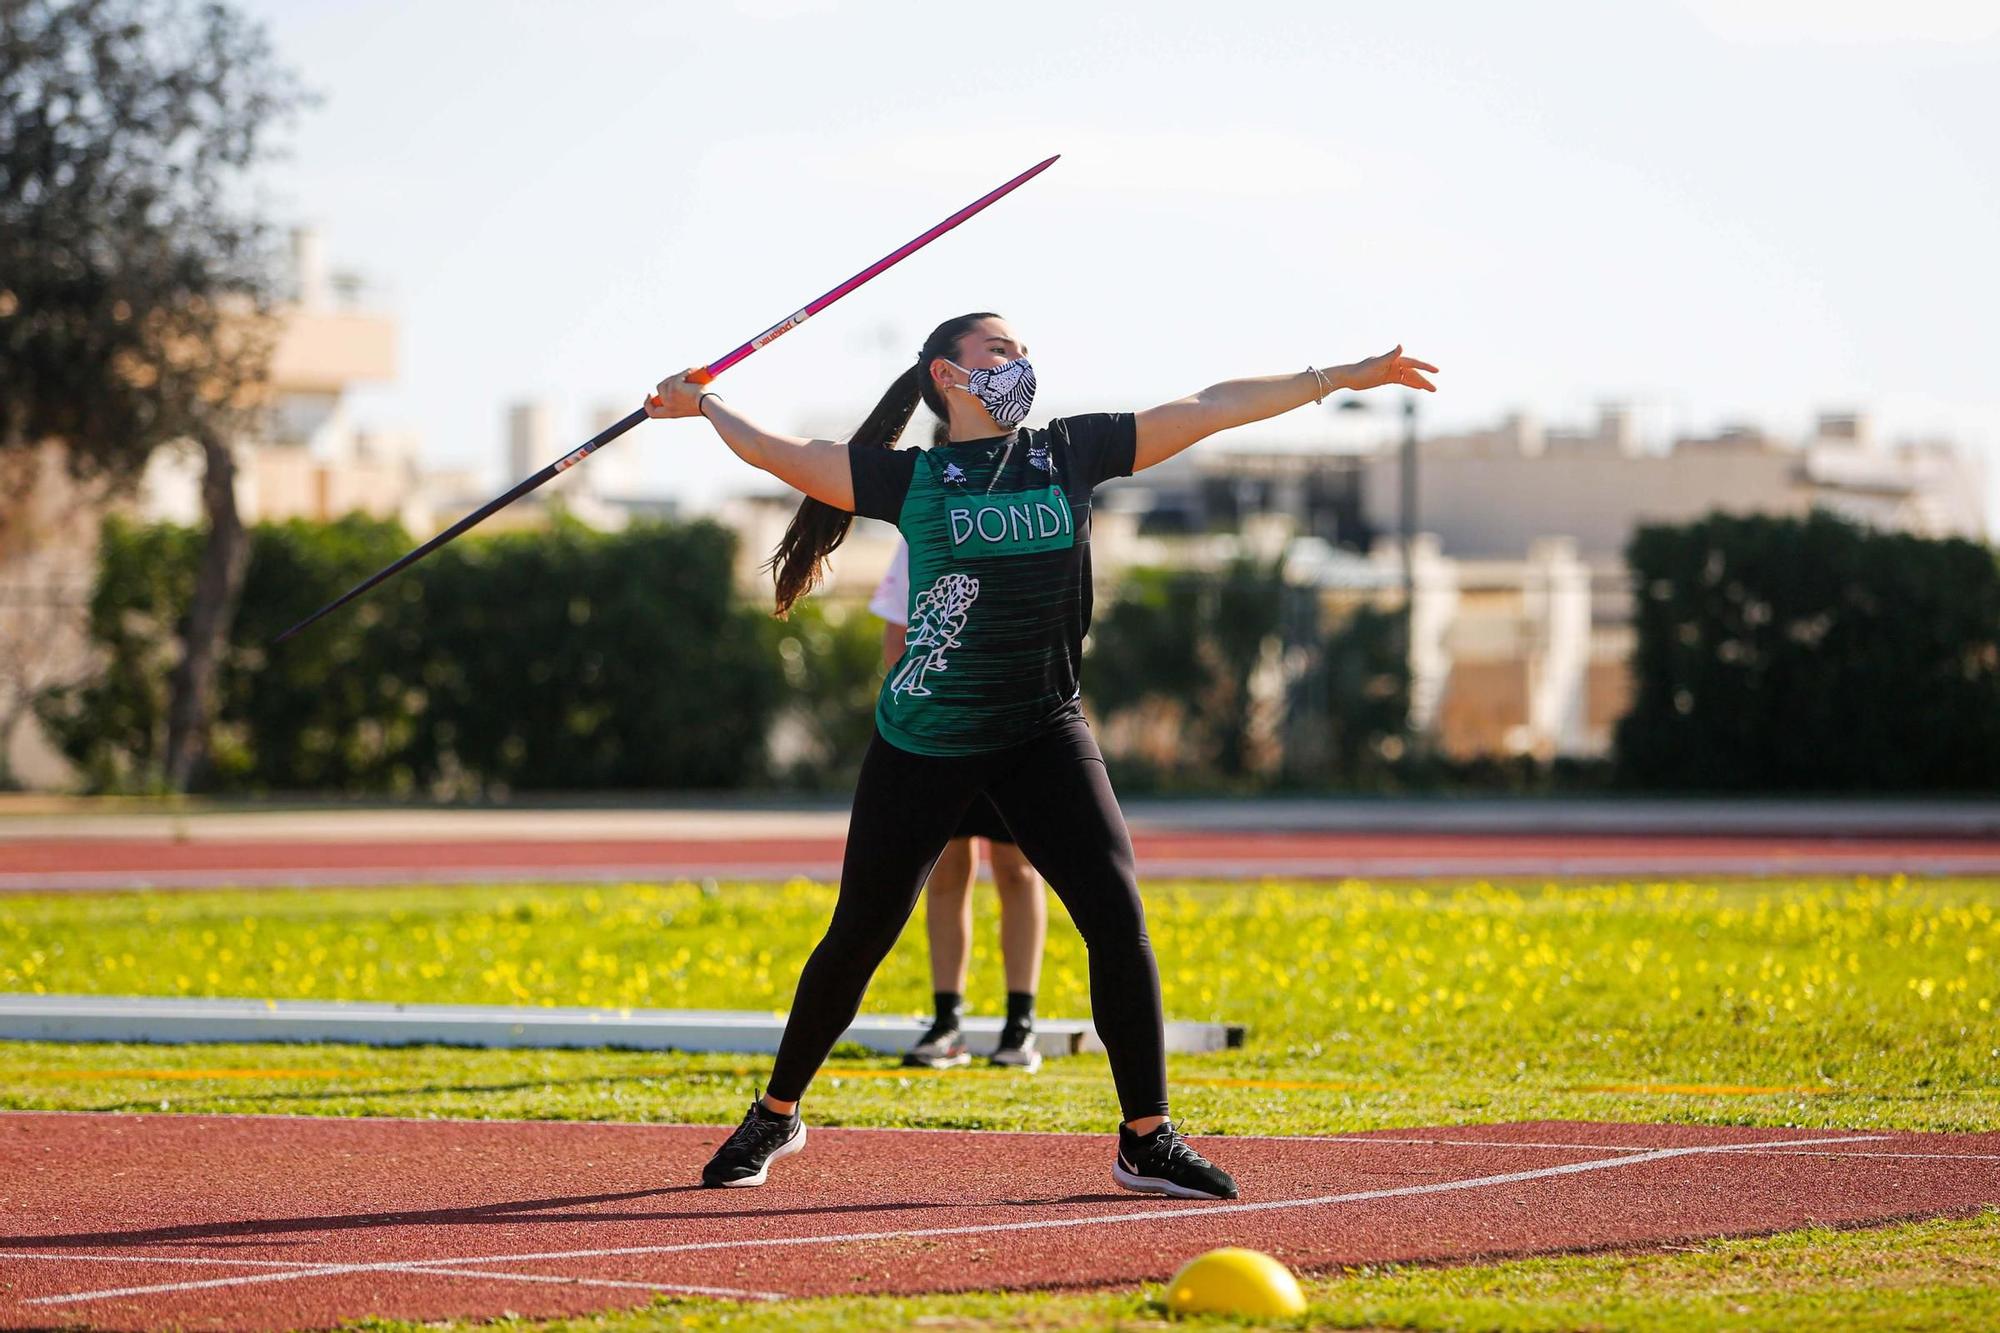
986 696
1024 914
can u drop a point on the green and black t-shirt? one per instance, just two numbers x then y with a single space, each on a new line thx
999 534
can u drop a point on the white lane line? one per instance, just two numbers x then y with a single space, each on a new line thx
1824 1148
1363 1140
1042 1224
686 1288
163 1259
1900 1156
410 1268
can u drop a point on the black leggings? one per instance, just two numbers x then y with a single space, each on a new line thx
1054 794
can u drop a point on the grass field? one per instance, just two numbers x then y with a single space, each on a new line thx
1820 1004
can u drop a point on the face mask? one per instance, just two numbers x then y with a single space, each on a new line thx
1007 391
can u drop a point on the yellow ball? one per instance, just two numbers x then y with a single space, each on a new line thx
1235 1282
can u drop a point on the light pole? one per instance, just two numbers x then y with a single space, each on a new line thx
1407 467
1406 506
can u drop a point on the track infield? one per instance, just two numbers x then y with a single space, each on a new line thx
281 1222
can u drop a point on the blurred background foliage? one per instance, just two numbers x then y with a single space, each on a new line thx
1773 654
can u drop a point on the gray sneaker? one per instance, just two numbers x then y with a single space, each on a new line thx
942 1047
1017 1048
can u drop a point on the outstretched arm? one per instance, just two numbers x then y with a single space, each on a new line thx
1165 430
817 467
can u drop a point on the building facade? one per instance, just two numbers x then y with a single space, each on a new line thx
1515 573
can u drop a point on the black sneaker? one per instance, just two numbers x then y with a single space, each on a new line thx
1162 1163
1017 1048
745 1157
942 1047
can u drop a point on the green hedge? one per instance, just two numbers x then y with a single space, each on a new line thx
560 659
1812 654
1185 644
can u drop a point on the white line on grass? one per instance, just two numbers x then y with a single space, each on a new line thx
1043 1224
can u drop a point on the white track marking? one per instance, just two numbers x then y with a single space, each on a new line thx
440 1267
1042 1224
1900 1156
165 1259
1362 1140
414 1267
686 1288
1821 1151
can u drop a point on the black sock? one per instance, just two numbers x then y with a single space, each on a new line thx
1020 1006
950 1005
768 1114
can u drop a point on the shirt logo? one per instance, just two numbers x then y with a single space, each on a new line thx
1012 524
953 472
1038 457
937 619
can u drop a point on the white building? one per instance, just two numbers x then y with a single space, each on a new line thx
1521 602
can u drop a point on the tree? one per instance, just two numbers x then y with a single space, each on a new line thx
645 672
137 278
1177 653
1811 654
1365 681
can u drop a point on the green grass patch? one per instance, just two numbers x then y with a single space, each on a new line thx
1823 1003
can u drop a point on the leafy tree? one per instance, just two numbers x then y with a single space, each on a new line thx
1811 654
114 726
1189 642
559 660
572 659
1365 667
137 278
831 659
338 710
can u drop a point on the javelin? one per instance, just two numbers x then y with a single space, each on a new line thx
701 376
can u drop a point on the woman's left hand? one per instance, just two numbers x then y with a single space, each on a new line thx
678 396
1392 367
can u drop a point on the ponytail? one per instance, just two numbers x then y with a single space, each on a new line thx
818 529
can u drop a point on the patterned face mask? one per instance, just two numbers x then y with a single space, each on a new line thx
1008 391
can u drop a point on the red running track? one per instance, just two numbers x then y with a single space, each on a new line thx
30 864
276 1222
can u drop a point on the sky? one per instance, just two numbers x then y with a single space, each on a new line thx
1720 210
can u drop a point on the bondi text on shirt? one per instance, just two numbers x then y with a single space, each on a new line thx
1015 524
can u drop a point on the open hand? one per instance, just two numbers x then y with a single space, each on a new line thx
1392 367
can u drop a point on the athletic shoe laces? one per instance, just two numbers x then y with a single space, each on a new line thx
759 1133
1171 1148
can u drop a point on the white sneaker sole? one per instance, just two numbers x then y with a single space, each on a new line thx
1154 1185
1027 1060
937 1061
785 1149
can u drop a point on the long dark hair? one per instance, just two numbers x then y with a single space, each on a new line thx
818 529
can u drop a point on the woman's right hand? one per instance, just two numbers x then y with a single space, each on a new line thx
678 396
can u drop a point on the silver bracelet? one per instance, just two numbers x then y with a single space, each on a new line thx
1320 377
